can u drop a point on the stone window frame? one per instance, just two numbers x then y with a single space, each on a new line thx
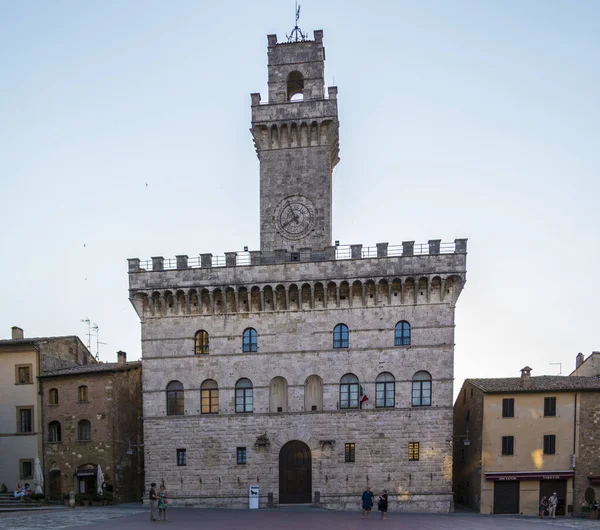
550 407
181 457
549 444
53 397
209 397
82 394
422 389
201 342
23 461
31 409
350 452
249 341
175 398
341 337
382 387
244 396
508 407
23 381
508 446
54 432
414 451
402 333
80 430
349 392
241 456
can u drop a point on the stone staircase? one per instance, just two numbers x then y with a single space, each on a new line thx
8 503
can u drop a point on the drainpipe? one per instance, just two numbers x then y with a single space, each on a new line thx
574 446
41 415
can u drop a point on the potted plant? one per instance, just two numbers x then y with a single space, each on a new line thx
96 500
81 499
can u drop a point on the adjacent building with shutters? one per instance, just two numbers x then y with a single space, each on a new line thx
92 430
22 360
308 369
518 439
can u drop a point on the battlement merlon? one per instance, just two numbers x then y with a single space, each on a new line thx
335 264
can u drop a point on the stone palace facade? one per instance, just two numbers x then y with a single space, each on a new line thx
306 369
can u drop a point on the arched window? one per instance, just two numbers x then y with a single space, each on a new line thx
250 340
385 390
209 392
175 402
349 388
421 389
340 336
402 336
243 396
201 342
54 432
84 431
82 393
53 396
295 86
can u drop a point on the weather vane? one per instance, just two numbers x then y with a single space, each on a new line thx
297 35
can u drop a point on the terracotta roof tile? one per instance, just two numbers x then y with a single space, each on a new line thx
543 383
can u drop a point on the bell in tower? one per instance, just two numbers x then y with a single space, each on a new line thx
296 136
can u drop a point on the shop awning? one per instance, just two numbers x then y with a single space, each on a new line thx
529 475
594 479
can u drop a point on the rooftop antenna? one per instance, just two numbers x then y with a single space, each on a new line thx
86 320
297 35
95 328
559 367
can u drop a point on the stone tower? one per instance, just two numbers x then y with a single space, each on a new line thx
296 139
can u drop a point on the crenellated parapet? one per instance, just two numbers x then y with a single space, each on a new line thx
355 282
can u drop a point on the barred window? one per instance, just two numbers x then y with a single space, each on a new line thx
413 451
181 457
241 456
349 452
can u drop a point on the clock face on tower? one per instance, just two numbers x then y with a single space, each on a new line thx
295 217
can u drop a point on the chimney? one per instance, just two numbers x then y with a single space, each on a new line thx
121 357
16 333
578 360
526 373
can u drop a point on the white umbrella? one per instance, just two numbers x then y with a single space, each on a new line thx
38 476
99 479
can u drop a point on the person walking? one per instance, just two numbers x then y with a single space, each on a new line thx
153 501
162 503
382 505
543 506
553 501
367 502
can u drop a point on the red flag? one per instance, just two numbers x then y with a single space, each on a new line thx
363 396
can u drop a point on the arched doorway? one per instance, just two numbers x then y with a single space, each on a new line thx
54 485
295 473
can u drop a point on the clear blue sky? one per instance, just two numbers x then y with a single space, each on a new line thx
458 119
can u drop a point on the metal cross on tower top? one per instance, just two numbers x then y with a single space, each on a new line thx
297 35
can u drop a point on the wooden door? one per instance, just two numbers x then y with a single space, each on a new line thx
54 486
295 473
506 496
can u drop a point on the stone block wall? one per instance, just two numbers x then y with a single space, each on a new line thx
587 466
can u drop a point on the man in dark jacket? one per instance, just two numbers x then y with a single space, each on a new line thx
153 501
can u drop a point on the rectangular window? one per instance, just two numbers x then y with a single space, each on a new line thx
23 374
83 393
210 401
549 444
25 469
413 451
349 452
24 419
241 456
508 445
549 406
508 408
181 457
